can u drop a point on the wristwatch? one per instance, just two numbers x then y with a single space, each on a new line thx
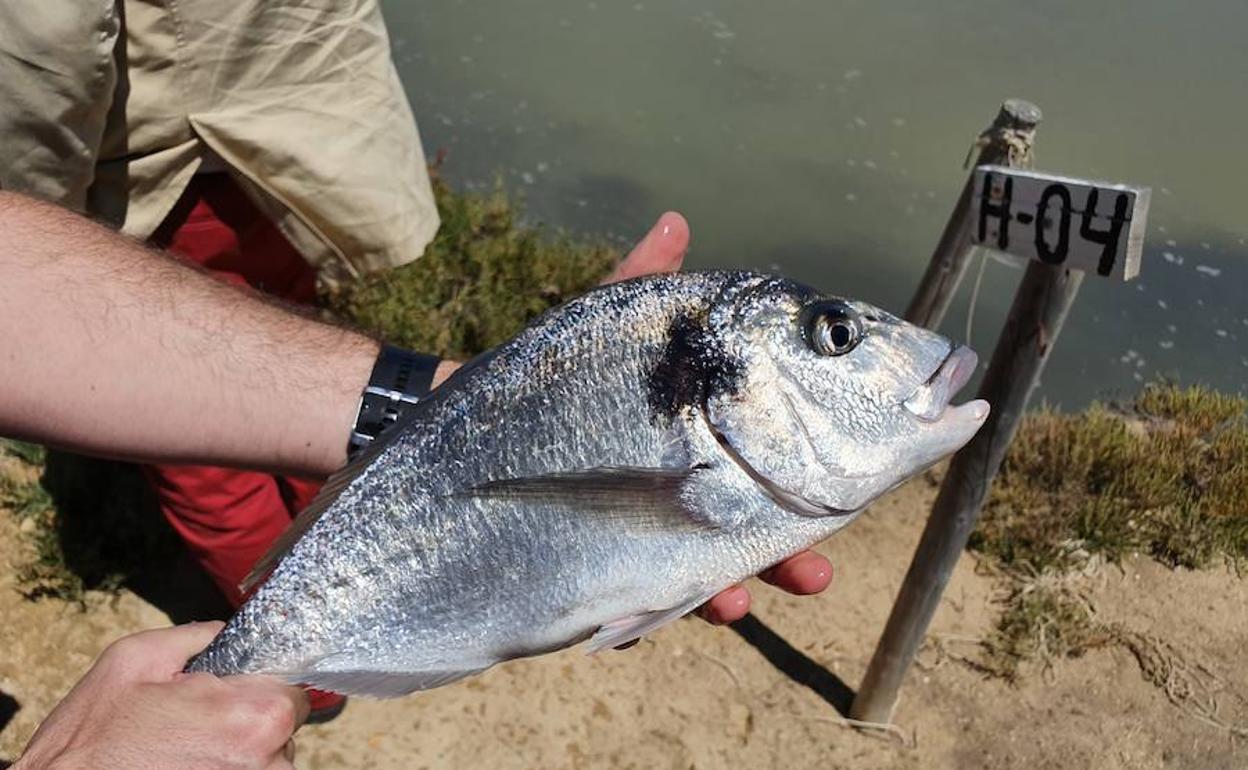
400 379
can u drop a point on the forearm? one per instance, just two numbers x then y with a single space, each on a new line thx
111 348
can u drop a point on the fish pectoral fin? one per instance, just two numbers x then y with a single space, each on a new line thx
627 629
377 684
650 497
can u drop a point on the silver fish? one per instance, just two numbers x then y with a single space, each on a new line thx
615 465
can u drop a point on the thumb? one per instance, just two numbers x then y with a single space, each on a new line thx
165 651
660 251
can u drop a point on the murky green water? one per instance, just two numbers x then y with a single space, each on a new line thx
824 141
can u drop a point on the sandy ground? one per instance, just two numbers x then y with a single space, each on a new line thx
694 696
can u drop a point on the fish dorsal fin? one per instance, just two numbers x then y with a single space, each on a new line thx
329 492
647 498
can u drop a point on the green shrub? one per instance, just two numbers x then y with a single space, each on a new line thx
1166 477
483 277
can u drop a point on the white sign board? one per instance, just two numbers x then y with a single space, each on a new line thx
1076 223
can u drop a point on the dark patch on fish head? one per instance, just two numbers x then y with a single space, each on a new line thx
818 405
692 364
703 355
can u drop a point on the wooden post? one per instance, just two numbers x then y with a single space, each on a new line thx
1064 227
1007 142
1040 306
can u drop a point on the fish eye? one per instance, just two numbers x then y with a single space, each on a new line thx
833 329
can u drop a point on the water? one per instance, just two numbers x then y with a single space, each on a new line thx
825 141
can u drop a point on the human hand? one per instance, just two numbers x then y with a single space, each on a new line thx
661 251
136 709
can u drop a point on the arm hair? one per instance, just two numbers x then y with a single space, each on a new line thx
108 347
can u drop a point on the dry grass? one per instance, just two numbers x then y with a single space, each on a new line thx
89 524
1165 476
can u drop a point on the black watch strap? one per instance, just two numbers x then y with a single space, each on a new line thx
400 379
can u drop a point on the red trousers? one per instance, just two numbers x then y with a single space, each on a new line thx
229 518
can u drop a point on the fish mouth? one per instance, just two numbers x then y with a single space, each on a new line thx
930 401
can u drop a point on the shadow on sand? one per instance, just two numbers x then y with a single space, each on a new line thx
796 664
8 709
112 535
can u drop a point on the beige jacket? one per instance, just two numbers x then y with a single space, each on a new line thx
111 106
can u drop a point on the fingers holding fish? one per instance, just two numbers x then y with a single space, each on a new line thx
727 606
661 250
806 573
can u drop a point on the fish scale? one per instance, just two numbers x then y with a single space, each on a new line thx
617 463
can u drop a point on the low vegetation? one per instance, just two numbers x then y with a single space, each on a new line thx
484 276
87 523
1165 476
25 498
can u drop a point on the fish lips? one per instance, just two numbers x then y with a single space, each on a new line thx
929 402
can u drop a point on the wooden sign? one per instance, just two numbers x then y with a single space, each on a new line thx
1077 223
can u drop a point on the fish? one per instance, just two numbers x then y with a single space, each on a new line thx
620 461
